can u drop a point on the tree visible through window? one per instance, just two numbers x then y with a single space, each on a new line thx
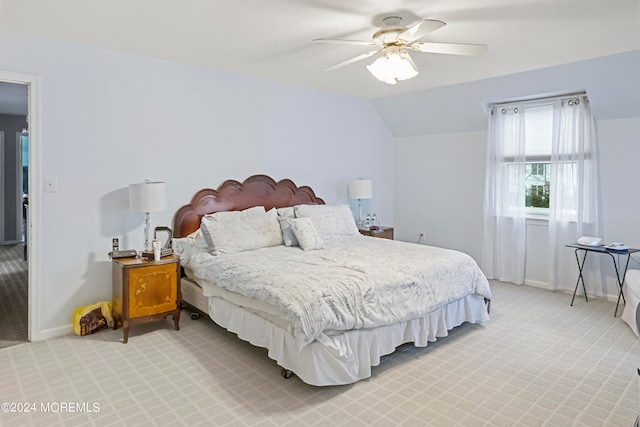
537 137
537 185
538 131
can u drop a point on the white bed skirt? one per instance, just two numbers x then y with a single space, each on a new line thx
351 354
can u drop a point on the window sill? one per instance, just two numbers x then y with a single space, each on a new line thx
533 219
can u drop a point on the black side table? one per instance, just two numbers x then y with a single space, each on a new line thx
616 264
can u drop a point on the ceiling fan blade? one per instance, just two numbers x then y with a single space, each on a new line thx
450 48
420 30
410 59
352 60
344 41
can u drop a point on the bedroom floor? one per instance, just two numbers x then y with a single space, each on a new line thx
14 279
537 362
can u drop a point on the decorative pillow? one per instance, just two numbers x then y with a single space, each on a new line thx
287 233
239 231
306 234
331 221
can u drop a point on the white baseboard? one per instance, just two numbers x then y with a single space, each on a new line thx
52 333
537 284
545 285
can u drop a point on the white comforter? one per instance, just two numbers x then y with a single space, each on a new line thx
355 282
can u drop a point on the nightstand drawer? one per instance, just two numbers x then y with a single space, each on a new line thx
152 290
145 290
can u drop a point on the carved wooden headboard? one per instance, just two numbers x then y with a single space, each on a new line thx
231 195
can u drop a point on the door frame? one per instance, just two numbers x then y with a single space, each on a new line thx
35 190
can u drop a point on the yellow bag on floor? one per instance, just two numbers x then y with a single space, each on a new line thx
92 318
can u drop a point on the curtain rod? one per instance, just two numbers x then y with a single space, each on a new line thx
538 100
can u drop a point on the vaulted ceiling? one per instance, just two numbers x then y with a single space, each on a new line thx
272 39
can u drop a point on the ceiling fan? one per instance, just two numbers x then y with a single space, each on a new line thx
393 43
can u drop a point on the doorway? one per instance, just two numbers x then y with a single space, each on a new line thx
19 96
13 263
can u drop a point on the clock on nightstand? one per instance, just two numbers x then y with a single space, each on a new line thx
382 232
145 290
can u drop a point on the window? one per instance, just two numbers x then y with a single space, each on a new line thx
538 125
541 159
536 131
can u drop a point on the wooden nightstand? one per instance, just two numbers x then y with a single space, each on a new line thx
145 290
382 232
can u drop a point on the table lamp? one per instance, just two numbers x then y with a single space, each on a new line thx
360 189
147 197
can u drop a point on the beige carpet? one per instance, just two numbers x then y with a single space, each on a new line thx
13 296
538 362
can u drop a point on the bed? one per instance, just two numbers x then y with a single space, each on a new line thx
328 305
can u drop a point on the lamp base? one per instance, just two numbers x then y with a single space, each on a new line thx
147 217
360 222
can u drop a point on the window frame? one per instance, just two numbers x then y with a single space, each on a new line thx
534 102
530 211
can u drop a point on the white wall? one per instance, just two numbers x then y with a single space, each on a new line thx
109 119
619 163
440 188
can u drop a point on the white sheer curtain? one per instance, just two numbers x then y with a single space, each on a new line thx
504 242
574 192
574 205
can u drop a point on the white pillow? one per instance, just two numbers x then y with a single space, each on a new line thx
286 212
195 239
256 211
239 231
331 221
287 233
305 233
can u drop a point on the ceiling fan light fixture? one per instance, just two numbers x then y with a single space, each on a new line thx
393 66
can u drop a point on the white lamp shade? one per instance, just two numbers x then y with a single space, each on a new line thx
360 189
148 196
